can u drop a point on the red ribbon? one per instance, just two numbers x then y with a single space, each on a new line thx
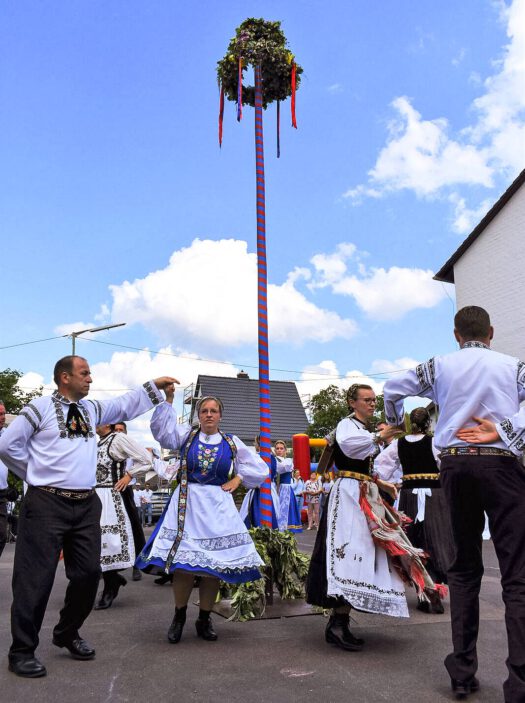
294 121
239 92
221 114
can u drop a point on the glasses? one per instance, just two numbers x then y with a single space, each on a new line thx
368 401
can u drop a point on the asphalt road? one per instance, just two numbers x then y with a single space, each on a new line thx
270 660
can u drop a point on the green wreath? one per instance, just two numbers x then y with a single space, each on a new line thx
258 42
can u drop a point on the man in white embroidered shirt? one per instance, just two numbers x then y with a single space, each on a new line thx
52 446
476 382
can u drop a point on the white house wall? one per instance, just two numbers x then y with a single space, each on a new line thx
491 273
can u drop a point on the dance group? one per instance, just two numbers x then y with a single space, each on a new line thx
365 551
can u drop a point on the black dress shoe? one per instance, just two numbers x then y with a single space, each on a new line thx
106 599
338 632
464 688
177 625
163 578
205 630
110 592
28 668
137 574
78 648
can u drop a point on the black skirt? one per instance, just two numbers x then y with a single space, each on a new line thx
434 534
316 583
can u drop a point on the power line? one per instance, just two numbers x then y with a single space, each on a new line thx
315 374
35 341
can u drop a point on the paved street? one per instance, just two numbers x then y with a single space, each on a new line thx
269 660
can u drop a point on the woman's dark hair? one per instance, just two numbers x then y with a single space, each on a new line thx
419 421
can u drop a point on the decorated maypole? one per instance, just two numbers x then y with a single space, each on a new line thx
262 45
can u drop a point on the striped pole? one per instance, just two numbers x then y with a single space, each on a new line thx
262 307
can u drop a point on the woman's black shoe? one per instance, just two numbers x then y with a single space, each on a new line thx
111 589
177 625
205 629
338 632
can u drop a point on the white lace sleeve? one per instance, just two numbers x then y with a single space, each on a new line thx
165 428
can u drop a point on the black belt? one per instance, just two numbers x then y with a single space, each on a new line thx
67 493
476 451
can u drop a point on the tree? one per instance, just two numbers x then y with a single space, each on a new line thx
13 397
327 408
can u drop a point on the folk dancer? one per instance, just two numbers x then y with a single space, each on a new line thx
52 445
477 382
200 532
361 557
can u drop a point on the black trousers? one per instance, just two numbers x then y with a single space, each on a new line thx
472 485
3 523
49 523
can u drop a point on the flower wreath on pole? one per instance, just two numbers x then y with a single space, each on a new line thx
259 43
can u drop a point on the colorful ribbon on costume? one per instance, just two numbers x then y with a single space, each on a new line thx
294 88
239 92
221 114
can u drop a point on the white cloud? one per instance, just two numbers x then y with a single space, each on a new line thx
465 219
316 377
420 156
207 296
335 88
383 294
426 157
383 366
459 57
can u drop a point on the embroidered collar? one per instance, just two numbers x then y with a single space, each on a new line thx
475 345
62 398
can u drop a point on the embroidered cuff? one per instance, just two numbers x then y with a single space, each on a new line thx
153 392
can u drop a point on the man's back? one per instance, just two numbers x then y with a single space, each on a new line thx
474 381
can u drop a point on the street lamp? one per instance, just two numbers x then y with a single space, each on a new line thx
74 335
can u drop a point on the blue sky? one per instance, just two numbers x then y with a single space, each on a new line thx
410 126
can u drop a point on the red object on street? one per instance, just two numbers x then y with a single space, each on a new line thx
301 454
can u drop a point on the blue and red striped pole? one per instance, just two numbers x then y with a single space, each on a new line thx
262 307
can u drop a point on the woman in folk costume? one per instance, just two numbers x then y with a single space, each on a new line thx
361 557
421 498
200 532
289 516
122 535
250 510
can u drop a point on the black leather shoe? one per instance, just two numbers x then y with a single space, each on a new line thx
78 648
164 578
205 630
110 592
28 668
423 606
106 599
177 626
462 689
137 574
338 632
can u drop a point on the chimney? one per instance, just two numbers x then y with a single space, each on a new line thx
242 374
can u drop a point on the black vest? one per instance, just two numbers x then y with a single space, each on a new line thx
416 458
345 463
